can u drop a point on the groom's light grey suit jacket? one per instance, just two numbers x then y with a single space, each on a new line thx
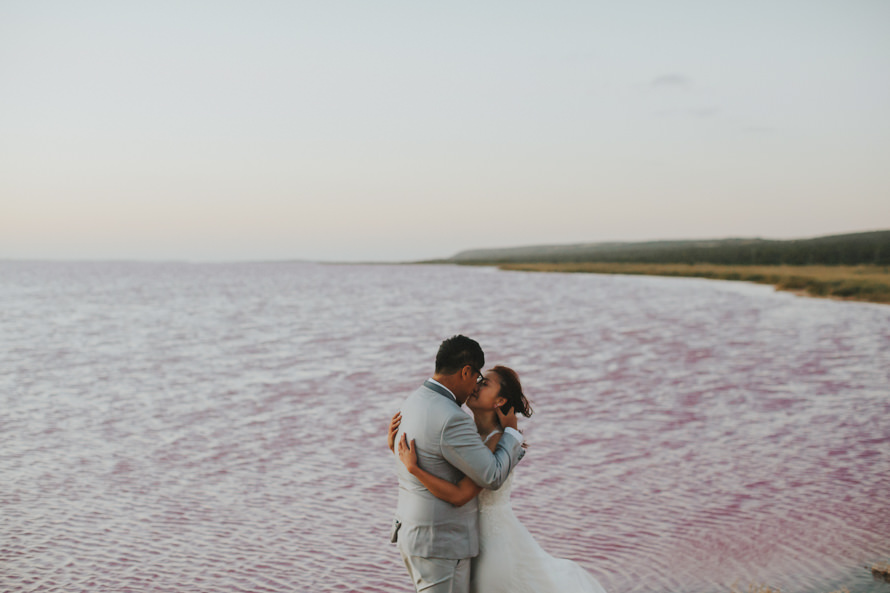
447 446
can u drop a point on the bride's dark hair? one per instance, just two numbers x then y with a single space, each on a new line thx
511 389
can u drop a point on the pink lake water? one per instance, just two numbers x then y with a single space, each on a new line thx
201 427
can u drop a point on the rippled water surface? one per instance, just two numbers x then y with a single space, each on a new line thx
184 427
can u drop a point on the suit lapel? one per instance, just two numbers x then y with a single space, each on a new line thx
440 390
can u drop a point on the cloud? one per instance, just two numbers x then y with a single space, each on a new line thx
670 81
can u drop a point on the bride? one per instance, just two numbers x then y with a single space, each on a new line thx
509 560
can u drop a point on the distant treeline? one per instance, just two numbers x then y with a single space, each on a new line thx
871 248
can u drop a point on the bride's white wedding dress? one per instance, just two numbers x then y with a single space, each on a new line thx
511 561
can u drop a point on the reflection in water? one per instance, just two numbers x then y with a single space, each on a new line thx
221 427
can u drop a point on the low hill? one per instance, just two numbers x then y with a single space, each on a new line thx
869 248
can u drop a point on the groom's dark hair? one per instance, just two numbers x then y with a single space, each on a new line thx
457 352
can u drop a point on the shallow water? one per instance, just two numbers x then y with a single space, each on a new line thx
185 427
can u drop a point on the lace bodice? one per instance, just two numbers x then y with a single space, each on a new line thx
496 498
494 505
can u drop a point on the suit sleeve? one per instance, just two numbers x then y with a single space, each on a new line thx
462 448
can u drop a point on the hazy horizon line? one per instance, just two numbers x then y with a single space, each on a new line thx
286 260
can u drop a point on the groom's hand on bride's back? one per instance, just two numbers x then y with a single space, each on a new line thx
508 420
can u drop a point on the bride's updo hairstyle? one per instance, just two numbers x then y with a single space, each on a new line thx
511 389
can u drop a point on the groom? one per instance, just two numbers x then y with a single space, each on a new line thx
435 538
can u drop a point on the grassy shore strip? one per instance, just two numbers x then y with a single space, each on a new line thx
860 283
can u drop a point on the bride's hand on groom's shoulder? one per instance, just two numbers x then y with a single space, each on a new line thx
393 430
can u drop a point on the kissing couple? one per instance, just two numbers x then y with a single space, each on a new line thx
454 524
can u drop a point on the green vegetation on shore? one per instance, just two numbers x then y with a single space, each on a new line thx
854 266
862 283
871 248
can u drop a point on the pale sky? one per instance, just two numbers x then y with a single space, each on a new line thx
381 130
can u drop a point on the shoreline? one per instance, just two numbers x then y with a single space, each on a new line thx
849 283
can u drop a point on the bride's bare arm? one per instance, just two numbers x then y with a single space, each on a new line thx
457 494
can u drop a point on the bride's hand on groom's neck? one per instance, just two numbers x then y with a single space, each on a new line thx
507 420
